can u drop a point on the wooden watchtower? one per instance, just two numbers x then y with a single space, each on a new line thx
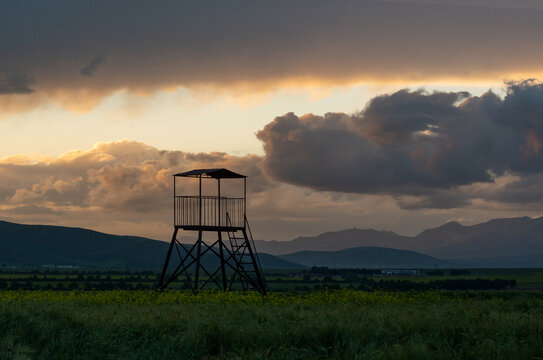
226 262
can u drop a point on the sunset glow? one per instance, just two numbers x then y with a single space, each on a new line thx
426 107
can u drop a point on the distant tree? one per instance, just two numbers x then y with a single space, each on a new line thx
73 286
459 272
60 286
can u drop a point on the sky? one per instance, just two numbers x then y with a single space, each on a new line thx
387 114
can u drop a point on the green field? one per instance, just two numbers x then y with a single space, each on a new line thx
308 314
279 280
342 324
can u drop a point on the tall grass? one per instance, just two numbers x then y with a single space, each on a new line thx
458 326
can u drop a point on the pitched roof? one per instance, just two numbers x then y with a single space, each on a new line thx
211 173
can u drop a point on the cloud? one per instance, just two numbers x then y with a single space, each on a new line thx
412 143
206 44
510 189
126 176
32 210
16 83
91 67
409 160
125 187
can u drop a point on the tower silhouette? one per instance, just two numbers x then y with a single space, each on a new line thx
227 263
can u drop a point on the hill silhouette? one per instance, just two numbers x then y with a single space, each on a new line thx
367 257
336 240
36 245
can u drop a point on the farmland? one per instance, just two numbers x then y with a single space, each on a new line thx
337 324
314 279
315 313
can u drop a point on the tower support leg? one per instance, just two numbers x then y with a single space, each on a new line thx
240 257
197 270
223 262
167 261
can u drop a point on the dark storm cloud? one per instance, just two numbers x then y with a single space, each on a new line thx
91 67
186 43
419 111
16 83
412 143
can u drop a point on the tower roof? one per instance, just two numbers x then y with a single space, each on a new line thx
211 173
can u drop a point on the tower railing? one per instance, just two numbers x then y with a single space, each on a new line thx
190 211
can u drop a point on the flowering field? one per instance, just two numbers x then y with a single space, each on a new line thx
146 297
343 324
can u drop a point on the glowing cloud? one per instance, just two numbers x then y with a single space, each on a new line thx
263 44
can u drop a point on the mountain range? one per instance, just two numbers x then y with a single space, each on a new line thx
512 242
509 242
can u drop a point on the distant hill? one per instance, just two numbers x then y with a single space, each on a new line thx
336 240
58 245
510 242
528 261
367 257
499 238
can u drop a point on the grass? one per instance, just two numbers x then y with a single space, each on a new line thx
526 278
320 325
277 280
